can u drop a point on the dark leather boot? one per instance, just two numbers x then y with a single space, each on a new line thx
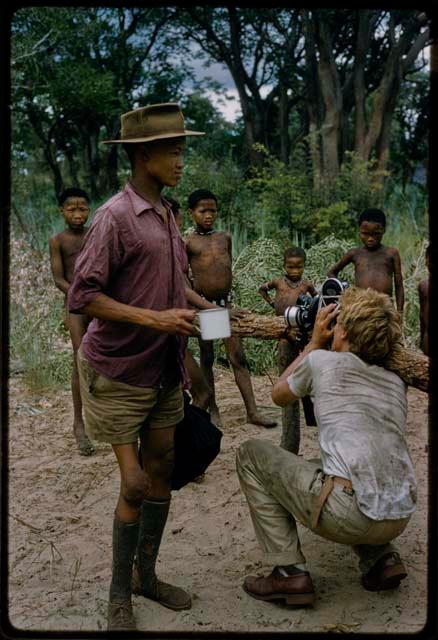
145 583
125 537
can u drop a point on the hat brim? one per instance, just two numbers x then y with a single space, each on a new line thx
163 136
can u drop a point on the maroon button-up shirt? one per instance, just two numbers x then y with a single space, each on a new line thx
132 256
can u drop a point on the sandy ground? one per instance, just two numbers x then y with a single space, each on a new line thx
61 509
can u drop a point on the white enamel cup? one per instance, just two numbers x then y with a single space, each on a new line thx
214 323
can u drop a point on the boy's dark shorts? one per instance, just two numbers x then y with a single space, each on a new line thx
115 412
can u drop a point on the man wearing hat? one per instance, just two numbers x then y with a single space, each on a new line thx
129 278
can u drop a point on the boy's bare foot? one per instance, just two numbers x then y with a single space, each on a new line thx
85 446
258 419
84 443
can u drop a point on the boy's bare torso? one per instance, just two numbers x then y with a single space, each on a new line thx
374 269
286 293
210 262
70 244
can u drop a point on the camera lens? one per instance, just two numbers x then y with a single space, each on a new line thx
291 315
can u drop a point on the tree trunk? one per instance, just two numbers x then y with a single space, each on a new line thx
72 168
109 180
410 365
313 97
112 162
49 149
283 125
332 97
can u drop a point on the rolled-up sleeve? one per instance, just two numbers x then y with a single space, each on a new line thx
301 380
99 258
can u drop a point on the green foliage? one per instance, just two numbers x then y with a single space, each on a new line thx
39 343
75 70
282 193
222 139
262 260
414 272
407 209
359 184
407 230
335 217
308 213
38 350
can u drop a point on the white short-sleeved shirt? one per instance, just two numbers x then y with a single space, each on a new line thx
361 413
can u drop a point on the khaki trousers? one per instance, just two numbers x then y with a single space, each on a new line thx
282 488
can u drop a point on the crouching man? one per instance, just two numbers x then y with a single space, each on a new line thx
363 491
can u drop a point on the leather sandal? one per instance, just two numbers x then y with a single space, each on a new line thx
296 589
387 573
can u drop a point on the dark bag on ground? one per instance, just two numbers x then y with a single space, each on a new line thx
197 443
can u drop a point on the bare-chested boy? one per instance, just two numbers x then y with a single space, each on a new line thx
209 253
423 294
200 390
64 249
287 290
375 265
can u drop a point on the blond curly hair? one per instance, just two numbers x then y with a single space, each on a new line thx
371 322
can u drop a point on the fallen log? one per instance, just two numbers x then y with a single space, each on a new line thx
410 365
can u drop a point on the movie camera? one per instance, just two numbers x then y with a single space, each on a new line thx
301 316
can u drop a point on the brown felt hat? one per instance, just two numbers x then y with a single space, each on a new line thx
154 122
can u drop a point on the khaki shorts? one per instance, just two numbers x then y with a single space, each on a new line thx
115 412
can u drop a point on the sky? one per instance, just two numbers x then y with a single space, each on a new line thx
229 108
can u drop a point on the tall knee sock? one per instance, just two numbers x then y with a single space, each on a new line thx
153 517
125 537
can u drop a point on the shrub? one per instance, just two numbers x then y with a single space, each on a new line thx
39 343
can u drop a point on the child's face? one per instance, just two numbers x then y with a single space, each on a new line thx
75 212
371 234
205 213
164 161
294 268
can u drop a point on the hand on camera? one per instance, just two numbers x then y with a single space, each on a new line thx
324 324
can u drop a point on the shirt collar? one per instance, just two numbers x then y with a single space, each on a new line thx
139 203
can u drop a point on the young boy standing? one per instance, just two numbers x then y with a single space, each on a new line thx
423 294
287 290
375 265
199 389
64 249
209 253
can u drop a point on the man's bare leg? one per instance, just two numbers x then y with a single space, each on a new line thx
236 354
77 325
157 452
134 487
207 360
